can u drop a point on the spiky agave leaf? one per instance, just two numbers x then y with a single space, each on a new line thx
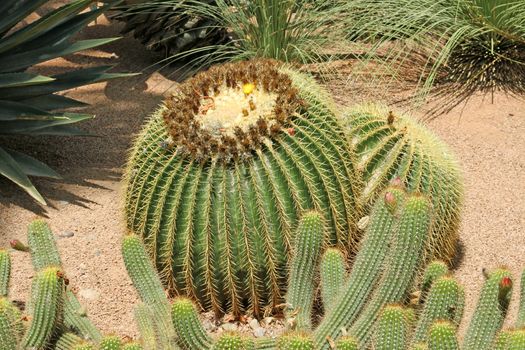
28 103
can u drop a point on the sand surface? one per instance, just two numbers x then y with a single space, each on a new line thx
85 207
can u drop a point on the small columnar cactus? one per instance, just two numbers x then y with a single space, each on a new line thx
309 240
110 343
442 336
295 341
346 343
333 275
219 176
188 326
390 145
5 271
392 329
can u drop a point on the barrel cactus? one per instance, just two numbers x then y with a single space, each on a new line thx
389 145
220 174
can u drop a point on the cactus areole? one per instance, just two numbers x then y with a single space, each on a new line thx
220 175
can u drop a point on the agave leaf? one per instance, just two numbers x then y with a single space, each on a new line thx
53 102
25 59
61 130
22 79
62 82
31 166
32 127
16 10
42 25
10 169
10 110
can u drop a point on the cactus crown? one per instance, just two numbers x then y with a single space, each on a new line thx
230 109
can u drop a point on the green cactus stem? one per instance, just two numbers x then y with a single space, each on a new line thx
219 176
510 340
110 343
192 334
47 296
44 252
434 270
9 317
309 240
5 272
391 145
367 268
346 343
402 266
490 311
333 275
75 317
133 346
520 322
233 341
149 287
444 302
69 341
146 326
442 336
392 329
295 341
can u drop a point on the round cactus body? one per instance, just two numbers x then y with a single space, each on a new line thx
393 146
221 173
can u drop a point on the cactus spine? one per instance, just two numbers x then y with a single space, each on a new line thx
390 145
208 178
149 287
295 341
9 316
366 269
443 303
44 252
146 326
403 263
68 341
490 311
442 336
308 244
191 333
47 297
233 341
5 272
520 323
346 343
392 329
110 343
75 318
333 275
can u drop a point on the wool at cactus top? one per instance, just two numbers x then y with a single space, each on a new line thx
221 173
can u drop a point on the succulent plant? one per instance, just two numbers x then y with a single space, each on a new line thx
29 104
332 275
225 168
389 145
169 27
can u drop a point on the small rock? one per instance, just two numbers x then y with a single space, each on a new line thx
63 202
67 234
229 327
259 332
254 324
209 326
268 320
98 252
89 294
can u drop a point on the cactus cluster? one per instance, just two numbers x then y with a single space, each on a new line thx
226 166
380 316
398 304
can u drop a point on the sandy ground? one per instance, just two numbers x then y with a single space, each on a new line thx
84 209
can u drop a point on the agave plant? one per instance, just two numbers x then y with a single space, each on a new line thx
475 45
29 104
206 32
